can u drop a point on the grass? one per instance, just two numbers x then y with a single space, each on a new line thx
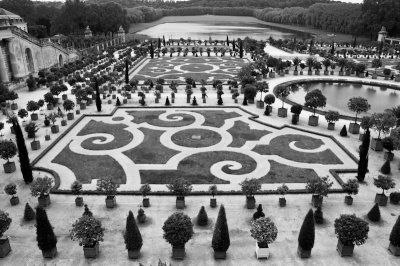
151 118
184 138
242 133
216 118
282 173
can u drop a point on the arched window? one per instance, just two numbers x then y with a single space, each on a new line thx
60 61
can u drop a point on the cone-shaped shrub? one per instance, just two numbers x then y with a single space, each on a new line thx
220 102
244 101
266 112
343 132
385 169
87 211
221 240
98 100
29 213
307 232
259 213
374 214
319 216
44 231
202 217
133 238
118 103
395 234
167 103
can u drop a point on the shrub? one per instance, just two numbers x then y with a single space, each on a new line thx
8 149
202 217
107 186
132 236
385 169
145 189
220 102
44 231
76 187
68 105
282 190
351 187
259 213
22 113
264 231
307 232
213 189
351 230
250 186
221 240
374 214
244 101
10 189
5 222
29 213
269 99
41 186
87 231
343 132
167 103
319 186
384 182
141 216
319 216
332 116
178 229
395 234
31 128
395 197
32 106
296 109
180 187
87 211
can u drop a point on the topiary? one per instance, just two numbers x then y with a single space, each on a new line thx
343 132
118 103
374 214
141 216
87 211
395 234
220 102
385 169
267 112
307 232
178 229
259 213
202 217
44 231
29 213
221 240
132 236
319 216
5 222
167 103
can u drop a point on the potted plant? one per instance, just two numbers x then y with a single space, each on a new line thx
332 117
47 241
11 190
40 188
282 190
282 93
145 189
63 121
310 62
22 113
235 95
306 236
221 240
32 128
68 107
388 145
8 149
108 187
12 96
366 124
385 183
180 187
394 197
5 222
213 191
178 229
88 232
314 99
376 63
53 118
269 99
382 122
357 105
350 187
264 231
320 188
394 239
49 99
250 91
76 189
350 230
261 87
141 216
296 111
189 92
133 238
33 106
249 188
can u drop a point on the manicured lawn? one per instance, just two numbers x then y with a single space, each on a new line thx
282 173
196 138
242 133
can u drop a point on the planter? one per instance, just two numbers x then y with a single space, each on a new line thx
259 77
12 130
47 137
332 72
157 100
301 73
348 200
133 254
236 100
272 74
188 99
361 136
282 202
104 96
35 145
55 129
5 247
260 104
14 200
213 203
91 252
250 202
44 201
9 167
49 254
78 201
50 106
63 123
219 255
331 126
178 253
204 100
354 128
180 202
395 250
309 73
111 201
317 72
250 101
381 199
82 106
262 253
341 73
295 73
282 112
78 112
34 117
344 250
313 120
146 202
129 96
326 73
125 101
376 144
64 97
388 156
374 76
109 101
70 116
348 73
14 106
114 96
303 253
316 201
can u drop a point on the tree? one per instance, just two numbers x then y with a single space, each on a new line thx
87 231
332 116
376 63
25 164
44 231
178 229
98 100
282 93
307 232
384 182
383 122
374 214
319 186
180 186
351 230
221 240
264 231
126 72
343 132
358 105
202 217
363 162
250 186
132 236
395 233
32 106
7 150
315 99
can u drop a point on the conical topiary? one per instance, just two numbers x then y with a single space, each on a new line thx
266 112
395 234
259 213
221 240
319 216
343 132
133 238
307 232
244 101
44 231
194 102
374 214
385 169
167 103
220 102
87 211
202 217
118 102
29 213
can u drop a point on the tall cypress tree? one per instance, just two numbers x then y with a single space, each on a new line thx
307 232
133 238
241 49
159 43
24 161
44 231
126 72
363 162
151 50
227 40
163 39
221 240
98 100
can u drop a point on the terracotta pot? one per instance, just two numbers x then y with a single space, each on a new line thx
344 250
354 128
79 201
5 247
303 253
44 201
9 167
91 252
14 200
395 250
381 199
282 202
313 120
331 126
34 116
146 202
133 254
250 202
178 253
35 145
348 200
49 254
180 202
111 201
219 255
282 112
317 200
213 203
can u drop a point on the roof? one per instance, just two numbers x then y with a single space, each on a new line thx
8 15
